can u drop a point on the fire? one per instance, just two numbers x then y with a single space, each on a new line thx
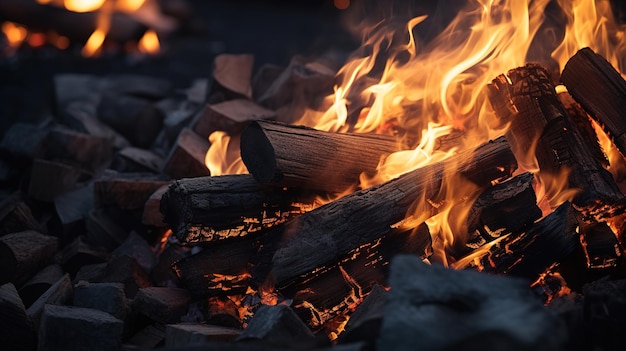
14 33
223 156
83 5
149 43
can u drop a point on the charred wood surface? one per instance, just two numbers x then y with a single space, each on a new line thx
325 234
528 100
23 254
506 208
530 253
207 209
601 90
308 158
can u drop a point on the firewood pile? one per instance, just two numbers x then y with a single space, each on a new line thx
115 234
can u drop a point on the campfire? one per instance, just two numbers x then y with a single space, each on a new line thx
463 189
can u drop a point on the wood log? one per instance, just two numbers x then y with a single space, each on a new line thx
148 338
135 118
106 297
186 334
60 293
526 97
135 160
296 156
601 90
16 329
232 75
600 245
530 253
40 283
163 305
364 324
220 269
72 208
336 290
187 156
103 230
87 151
323 235
278 325
43 187
125 269
82 116
508 207
23 254
208 209
152 215
80 253
126 191
16 216
230 116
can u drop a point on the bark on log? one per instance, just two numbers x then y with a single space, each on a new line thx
601 90
530 253
308 158
537 117
207 209
325 234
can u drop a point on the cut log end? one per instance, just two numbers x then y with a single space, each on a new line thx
258 154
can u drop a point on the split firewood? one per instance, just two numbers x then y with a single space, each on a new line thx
152 215
23 254
506 208
72 208
136 160
126 270
601 247
40 283
16 216
264 78
364 324
127 191
163 305
82 116
148 338
79 253
277 325
88 151
325 234
232 75
186 334
60 293
526 98
75 328
187 157
304 157
601 90
530 253
43 187
430 307
207 209
230 116
103 230
16 329
106 297
135 118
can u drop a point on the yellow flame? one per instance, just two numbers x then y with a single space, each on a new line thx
128 6
83 5
96 39
149 43
223 156
14 33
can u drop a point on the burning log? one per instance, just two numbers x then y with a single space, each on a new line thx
335 290
530 253
600 245
299 156
538 118
507 207
325 234
601 90
214 208
220 269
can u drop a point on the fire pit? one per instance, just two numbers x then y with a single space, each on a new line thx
455 181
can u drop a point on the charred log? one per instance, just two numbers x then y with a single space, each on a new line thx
538 118
308 158
325 234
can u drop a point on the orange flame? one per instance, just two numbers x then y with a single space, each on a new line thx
83 5
149 43
223 156
14 33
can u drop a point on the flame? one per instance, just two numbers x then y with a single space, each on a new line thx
223 156
129 6
83 5
96 39
14 33
149 43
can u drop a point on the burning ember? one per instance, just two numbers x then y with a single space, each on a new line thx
411 195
